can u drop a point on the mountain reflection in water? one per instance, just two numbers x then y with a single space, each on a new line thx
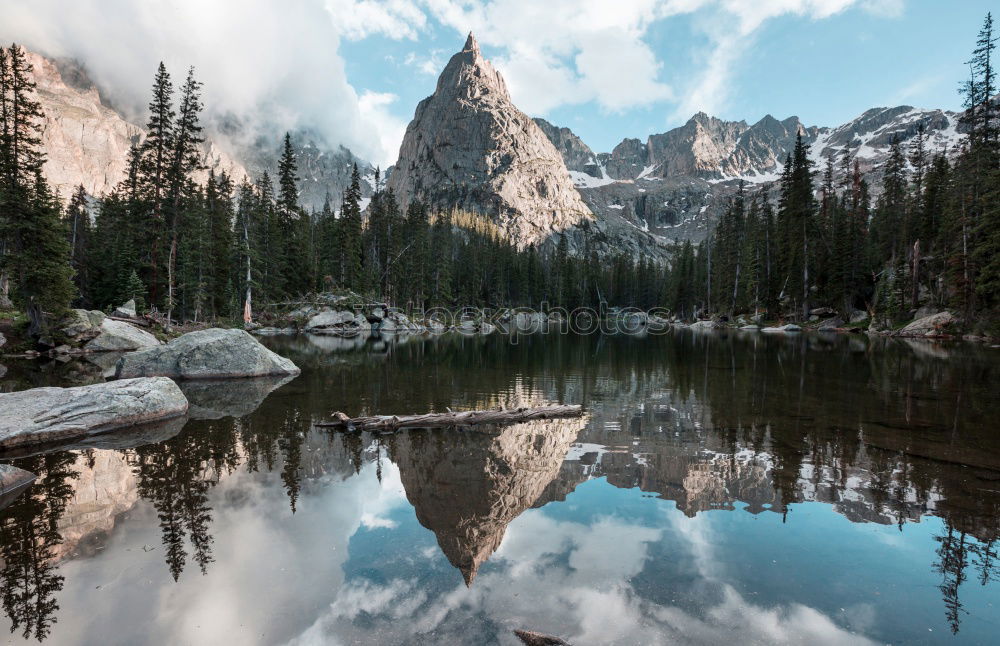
863 476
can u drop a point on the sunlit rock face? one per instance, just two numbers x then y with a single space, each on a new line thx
468 146
468 489
86 142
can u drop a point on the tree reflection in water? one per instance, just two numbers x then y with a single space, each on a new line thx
29 536
881 431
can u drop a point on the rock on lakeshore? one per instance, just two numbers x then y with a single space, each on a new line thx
934 325
791 327
47 414
117 336
337 322
82 324
206 354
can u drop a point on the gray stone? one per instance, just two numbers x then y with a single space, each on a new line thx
126 309
925 311
934 325
48 414
823 311
206 354
657 323
790 327
338 322
706 325
858 316
3 340
82 323
117 336
831 323
331 319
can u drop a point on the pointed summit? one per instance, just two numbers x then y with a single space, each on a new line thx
469 502
469 147
471 45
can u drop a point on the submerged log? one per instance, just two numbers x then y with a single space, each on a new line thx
531 638
465 418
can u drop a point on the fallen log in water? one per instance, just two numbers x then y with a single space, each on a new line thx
531 638
464 418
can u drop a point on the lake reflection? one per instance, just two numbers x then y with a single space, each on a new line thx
722 487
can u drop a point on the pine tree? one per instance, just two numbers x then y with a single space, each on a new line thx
184 161
80 231
155 162
36 250
350 234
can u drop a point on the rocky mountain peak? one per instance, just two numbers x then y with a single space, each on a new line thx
469 147
471 44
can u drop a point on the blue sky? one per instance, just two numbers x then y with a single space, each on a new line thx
825 69
354 70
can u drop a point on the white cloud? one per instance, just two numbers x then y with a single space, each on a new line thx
278 66
574 580
564 52
386 127
396 19
271 66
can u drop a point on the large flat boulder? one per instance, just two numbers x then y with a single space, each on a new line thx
206 354
789 327
933 325
48 414
337 322
118 336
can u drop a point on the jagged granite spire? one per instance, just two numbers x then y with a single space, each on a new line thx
471 45
468 491
469 147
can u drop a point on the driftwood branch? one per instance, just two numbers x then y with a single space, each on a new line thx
465 418
531 638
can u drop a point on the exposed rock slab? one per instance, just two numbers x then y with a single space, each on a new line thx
206 354
790 327
934 325
49 414
117 336
337 322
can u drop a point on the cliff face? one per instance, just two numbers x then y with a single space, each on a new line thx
469 147
86 142
468 489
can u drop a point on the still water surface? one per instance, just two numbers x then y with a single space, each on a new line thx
723 488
